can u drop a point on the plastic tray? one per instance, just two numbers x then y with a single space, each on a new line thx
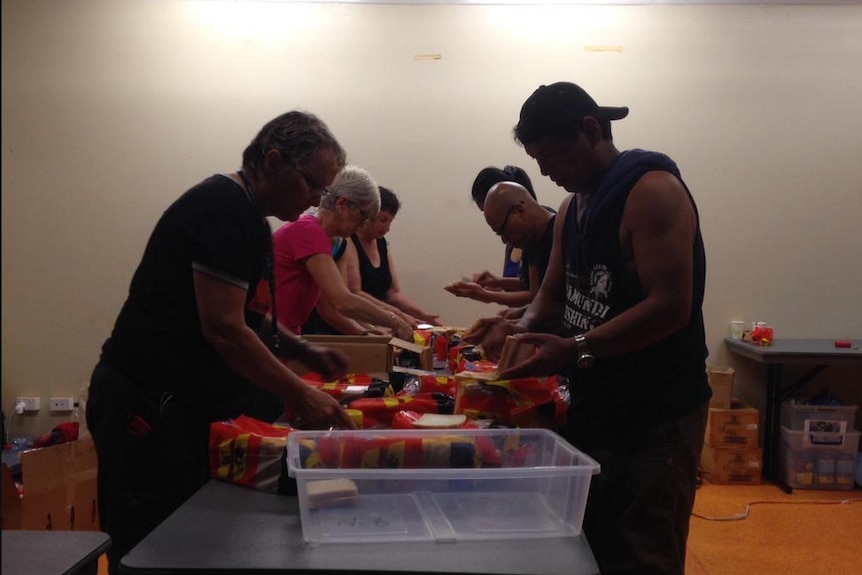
801 417
442 485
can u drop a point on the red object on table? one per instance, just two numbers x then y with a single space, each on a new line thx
441 347
843 343
762 335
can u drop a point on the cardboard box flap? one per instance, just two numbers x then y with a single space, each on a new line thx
369 353
365 353
476 376
414 371
344 339
423 353
402 344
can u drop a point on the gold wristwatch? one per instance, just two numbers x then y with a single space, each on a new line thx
585 358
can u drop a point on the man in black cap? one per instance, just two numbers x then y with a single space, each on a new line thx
619 313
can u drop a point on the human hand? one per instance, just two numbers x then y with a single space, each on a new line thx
466 289
513 313
490 333
330 363
485 279
552 355
318 410
412 321
403 331
379 330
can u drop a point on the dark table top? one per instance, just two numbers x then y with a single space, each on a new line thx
51 552
225 528
798 351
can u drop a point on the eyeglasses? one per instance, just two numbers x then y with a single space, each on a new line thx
502 231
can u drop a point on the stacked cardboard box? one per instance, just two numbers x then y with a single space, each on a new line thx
721 383
730 452
818 446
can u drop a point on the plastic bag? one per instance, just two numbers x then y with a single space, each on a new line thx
249 452
528 402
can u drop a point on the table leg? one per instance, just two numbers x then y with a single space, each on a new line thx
773 431
773 392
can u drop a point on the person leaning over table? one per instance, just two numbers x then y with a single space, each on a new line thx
304 267
519 221
369 270
515 276
184 351
619 313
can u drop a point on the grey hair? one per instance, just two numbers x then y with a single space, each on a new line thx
356 185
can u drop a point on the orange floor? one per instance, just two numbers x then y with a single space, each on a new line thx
807 532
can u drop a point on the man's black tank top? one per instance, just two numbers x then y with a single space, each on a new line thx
660 382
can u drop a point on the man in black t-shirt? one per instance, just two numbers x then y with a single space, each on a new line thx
185 350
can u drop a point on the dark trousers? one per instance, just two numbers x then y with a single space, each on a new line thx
152 452
637 514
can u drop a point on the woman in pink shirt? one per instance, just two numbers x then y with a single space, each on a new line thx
304 268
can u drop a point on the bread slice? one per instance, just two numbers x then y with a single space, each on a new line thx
331 493
514 352
476 376
439 421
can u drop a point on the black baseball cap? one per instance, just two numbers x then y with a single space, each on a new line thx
557 109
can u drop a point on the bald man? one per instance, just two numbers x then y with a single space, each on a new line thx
513 214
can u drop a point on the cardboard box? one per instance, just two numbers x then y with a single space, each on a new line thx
721 382
368 353
59 489
412 355
734 427
732 465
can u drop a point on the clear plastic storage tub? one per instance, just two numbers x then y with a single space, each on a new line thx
369 486
829 462
830 418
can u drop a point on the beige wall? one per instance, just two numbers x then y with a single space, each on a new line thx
111 109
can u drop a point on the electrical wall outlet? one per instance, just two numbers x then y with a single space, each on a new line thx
30 403
61 403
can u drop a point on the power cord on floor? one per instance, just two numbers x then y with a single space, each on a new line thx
744 514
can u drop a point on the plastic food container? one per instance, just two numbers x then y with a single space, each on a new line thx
802 417
438 485
828 462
